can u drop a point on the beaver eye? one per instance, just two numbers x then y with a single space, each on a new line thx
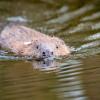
57 47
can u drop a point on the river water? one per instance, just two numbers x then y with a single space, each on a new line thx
77 77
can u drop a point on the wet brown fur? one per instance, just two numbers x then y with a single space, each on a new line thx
23 41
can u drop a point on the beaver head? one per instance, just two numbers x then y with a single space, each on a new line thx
42 48
38 49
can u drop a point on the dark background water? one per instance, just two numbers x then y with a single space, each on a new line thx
77 77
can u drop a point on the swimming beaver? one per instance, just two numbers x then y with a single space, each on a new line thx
24 41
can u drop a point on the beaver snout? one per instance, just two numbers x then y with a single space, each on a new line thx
47 53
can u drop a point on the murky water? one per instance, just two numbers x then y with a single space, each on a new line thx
74 78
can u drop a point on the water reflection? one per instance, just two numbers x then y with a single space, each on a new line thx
42 65
45 65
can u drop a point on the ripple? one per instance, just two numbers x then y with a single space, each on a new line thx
72 15
91 17
89 45
17 19
93 37
81 27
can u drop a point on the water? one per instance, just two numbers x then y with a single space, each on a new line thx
74 78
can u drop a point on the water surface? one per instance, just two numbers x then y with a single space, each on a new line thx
74 78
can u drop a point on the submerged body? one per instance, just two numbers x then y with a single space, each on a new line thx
24 41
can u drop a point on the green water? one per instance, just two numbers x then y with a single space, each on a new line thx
77 77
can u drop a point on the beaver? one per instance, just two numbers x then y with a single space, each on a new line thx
25 41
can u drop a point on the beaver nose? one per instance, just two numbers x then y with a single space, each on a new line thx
44 54
47 53
51 53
